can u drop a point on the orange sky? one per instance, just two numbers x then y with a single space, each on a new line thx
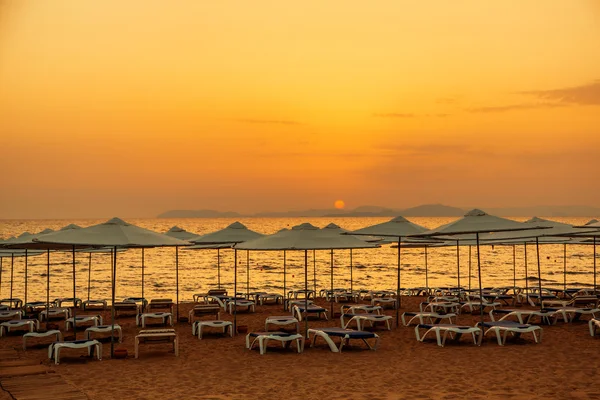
132 108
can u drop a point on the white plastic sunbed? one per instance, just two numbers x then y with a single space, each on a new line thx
365 317
422 317
90 345
263 338
452 330
503 328
594 326
345 336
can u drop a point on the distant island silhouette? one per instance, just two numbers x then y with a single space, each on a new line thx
425 210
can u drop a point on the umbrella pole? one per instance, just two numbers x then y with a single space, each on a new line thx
565 267
595 265
426 272
235 291
143 274
306 293
247 274
48 289
284 282
1 276
458 265
537 250
526 275
479 273
469 268
514 269
113 269
25 277
12 267
331 292
89 275
177 278
315 271
351 277
74 297
219 268
398 298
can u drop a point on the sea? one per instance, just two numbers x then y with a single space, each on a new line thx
374 269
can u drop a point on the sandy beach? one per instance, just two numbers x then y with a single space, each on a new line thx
564 365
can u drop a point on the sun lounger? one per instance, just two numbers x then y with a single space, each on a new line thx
574 314
154 336
249 305
165 317
452 330
201 310
12 303
365 317
83 319
503 328
127 307
35 307
594 326
91 345
226 326
263 338
431 318
54 312
211 292
98 304
161 304
301 310
345 336
222 301
524 316
140 301
440 307
104 329
291 303
31 324
72 302
474 303
281 321
385 302
269 298
358 308
53 332
10 315
301 294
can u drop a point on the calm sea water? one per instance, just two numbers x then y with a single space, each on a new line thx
372 268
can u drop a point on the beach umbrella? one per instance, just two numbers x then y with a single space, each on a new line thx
593 233
115 233
399 228
234 233
180 233
471 226
304 237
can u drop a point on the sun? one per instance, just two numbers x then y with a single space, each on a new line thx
339 204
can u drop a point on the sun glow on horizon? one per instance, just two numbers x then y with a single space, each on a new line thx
339 204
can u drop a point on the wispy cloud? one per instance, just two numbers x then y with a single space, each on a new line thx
446 100
588 94
395 115
267 121
513 107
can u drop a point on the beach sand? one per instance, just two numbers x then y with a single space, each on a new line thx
564 365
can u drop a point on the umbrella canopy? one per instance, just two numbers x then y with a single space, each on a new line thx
180 233
591 224
397 227
549 229
234 233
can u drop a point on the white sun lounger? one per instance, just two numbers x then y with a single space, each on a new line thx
385 302
98 304
449 330
31 324
248 304
365 317
426 317
151 336
524 316
76 302
594 326
83 319
165 317
269 297
90 345
358 308
281 320
345 336
503 328
10 315
285 338
299 310
226 326
574 314
55 312
54 332
440 307
103 329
